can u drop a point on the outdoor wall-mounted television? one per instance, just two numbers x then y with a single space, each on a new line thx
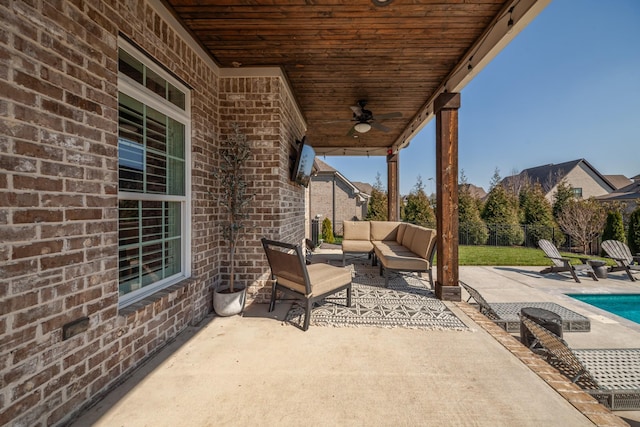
303 165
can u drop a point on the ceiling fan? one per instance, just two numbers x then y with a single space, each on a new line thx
365 120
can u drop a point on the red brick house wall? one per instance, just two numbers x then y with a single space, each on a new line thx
58 197
331 197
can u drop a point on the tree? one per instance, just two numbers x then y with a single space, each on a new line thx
417 209
500 213
377 209
537 214
517 182
583 220
563 194
234 197
327 231
614 227
633 236
472 228
495 179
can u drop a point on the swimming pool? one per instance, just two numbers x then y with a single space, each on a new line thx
623 305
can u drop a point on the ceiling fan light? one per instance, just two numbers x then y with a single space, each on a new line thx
362 127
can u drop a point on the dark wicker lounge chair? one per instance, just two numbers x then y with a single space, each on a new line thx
612 376
507 314
562 264
310 283
621 254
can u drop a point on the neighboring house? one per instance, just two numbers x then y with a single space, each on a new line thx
618 181
335 197
585 180
475 191
628 195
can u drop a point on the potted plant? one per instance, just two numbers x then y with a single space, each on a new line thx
234 199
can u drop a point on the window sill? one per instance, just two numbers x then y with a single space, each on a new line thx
155 297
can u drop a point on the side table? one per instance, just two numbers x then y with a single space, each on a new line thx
599 268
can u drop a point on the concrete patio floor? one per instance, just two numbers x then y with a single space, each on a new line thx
256 370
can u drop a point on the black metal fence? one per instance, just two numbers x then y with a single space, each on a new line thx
523 235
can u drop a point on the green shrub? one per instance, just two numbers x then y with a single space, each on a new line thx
633 237
327 231
500 214
537 215
613 228
473 230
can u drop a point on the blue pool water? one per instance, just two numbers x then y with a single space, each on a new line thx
623 305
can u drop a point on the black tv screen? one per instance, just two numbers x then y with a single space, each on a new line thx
304 163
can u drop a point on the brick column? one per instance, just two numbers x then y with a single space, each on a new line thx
393 183
446 109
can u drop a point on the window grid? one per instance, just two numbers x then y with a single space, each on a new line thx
153 205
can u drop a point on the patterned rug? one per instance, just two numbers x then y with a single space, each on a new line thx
406 303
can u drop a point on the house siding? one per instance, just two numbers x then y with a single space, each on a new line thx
58 193
586 179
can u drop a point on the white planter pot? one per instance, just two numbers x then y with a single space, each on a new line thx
229 304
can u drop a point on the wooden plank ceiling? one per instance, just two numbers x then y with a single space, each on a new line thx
395 56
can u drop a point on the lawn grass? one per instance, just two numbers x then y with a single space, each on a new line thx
511 255
508 256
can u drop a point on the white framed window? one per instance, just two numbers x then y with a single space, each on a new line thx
153 177
577 192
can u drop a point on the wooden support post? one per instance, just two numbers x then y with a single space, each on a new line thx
393 184
446 108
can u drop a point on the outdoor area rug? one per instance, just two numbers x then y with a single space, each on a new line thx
406 303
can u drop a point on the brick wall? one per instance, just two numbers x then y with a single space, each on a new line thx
321 190
262 107
333 198
58 199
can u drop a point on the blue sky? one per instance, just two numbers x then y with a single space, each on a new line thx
567 87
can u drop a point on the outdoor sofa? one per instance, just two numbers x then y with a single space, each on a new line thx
397 246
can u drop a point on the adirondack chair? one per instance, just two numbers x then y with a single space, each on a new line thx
561 264
621 254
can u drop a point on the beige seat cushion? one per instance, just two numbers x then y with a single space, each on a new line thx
422 241
390 248
384 230
408 262
357 246
400 234
356 230
325 277
407 238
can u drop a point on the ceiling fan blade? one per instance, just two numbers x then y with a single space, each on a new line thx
337 121
386 116
352 131
357 110
379 127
